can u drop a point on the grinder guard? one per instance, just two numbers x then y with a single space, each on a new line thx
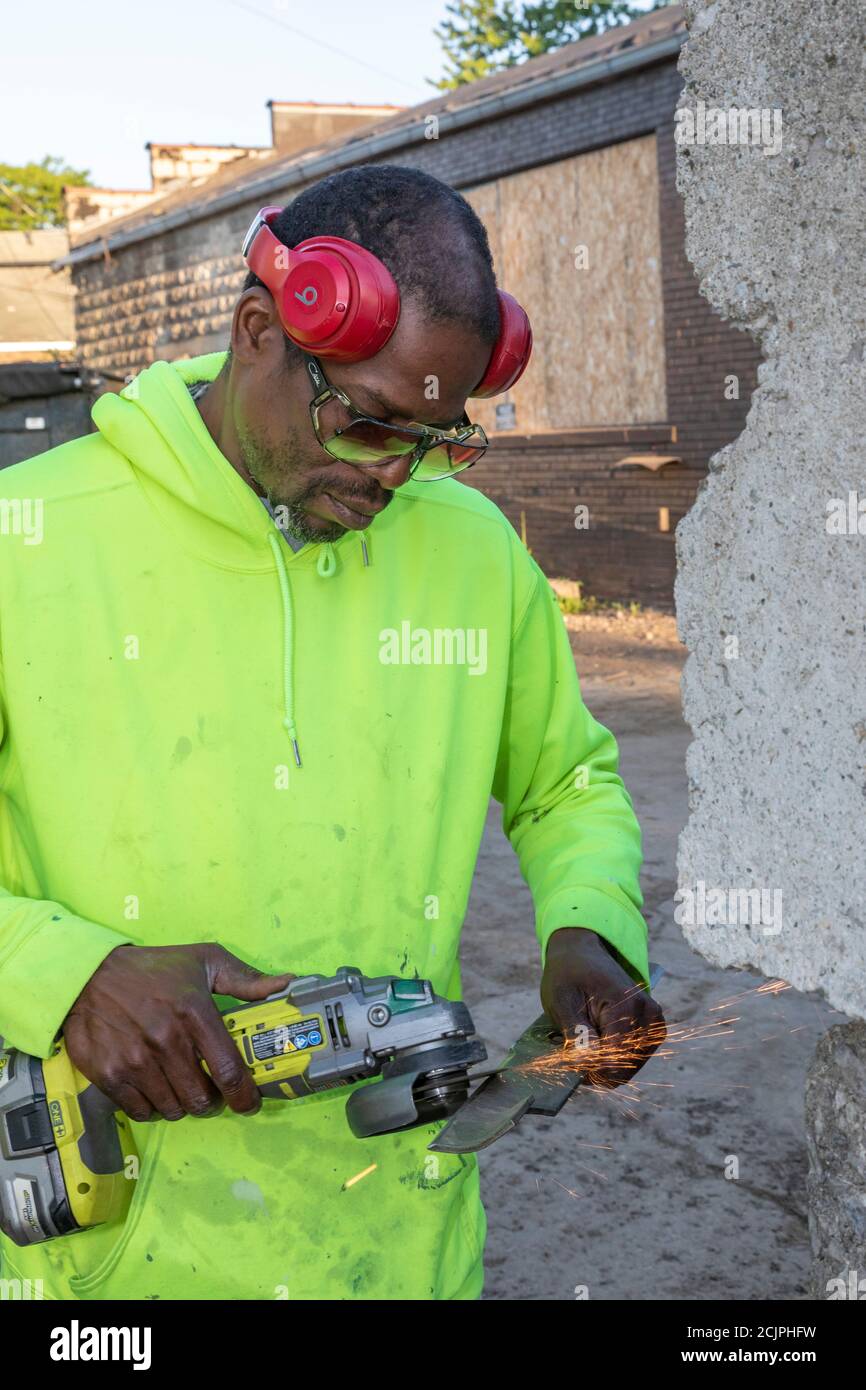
422 1084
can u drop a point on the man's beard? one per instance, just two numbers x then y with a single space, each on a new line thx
262 463
292 519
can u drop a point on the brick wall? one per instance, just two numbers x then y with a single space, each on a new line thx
539 481
172 296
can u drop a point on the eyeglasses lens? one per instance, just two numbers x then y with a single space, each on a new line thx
361 442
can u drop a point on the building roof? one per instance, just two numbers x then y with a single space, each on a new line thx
653 38
634 37
191 145
338 105
21 381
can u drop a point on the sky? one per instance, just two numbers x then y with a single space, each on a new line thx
93 82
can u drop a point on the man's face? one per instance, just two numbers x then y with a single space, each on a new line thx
423 375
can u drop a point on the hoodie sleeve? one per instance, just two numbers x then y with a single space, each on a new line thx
47 953
564 808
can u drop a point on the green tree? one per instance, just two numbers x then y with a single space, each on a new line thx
31 194
483 36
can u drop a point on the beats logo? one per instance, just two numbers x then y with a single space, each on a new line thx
309 295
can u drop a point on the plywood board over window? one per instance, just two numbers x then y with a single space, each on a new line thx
577 242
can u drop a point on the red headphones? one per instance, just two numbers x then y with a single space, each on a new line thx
339 301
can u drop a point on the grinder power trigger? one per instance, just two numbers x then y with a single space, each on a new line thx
68 1158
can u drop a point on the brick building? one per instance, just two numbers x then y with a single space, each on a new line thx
569 159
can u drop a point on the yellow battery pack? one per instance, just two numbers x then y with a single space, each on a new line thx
97 1152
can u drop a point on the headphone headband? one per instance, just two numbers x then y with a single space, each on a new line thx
338 300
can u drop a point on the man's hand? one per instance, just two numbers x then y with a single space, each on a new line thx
588 994
146 1017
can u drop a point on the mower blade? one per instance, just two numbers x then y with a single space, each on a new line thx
536 1054
527 1081
656 973
490 1112
504 1097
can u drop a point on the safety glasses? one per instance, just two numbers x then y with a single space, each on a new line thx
352 436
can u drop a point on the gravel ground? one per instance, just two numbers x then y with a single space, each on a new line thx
629 1199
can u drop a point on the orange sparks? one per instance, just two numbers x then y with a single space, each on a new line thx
569 1190
622 1051
768 987
630 1049
350 1182
600 1059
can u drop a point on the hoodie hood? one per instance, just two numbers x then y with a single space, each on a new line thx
155 423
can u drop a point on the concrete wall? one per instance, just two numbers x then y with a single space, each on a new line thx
171 165
771 592
87 207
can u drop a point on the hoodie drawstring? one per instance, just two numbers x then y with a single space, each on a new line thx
327 561
326 566
288 646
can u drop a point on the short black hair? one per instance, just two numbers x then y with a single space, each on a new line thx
425 232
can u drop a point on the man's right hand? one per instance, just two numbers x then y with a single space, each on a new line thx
147 1016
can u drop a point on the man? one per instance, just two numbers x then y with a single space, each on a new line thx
233 749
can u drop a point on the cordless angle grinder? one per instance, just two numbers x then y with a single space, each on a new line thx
67 1153
68 1156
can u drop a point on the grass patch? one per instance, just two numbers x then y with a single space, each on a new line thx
576 601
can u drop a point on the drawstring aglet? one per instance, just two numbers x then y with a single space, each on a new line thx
289 726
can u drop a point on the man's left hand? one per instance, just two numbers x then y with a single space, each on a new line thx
591 998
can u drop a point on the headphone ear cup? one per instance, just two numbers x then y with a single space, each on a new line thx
338 300
511 352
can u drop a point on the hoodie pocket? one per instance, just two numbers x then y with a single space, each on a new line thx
88 1286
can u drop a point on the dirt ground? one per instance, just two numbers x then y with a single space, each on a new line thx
628 1198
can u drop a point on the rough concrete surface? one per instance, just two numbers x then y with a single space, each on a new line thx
649 1214
779 713
835 1089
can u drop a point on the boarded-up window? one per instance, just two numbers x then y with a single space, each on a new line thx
596 312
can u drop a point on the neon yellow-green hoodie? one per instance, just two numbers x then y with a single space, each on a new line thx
161 644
